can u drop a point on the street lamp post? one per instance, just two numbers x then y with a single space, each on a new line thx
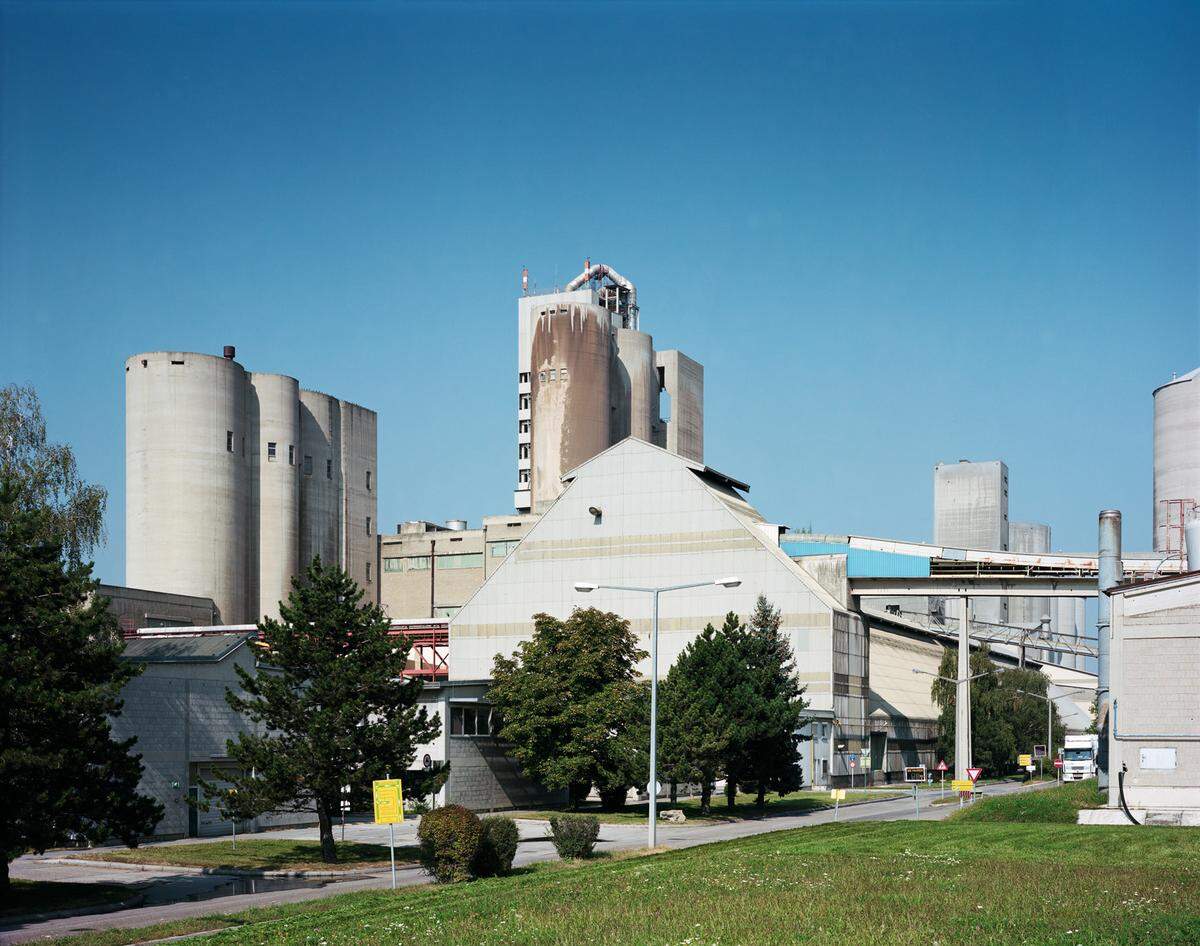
586 587
962 714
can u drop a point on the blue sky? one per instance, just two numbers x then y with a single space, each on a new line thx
893 233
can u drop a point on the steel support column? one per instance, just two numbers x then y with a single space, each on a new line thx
962 695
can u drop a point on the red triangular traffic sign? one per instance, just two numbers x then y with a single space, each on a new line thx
942 766
974 773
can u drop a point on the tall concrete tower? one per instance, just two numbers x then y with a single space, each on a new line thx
235 480
1176 459
588 377
970 511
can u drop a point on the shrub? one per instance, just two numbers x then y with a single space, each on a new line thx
449 839
574 835
497 847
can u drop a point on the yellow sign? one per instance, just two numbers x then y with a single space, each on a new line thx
1025 759
837 794
962 785
389 801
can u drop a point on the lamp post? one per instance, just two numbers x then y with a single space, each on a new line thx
586 587
962 712
1049 718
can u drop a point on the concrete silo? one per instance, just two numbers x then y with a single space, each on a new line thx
359 492
186 495
320 478
273 412
1032 538
634 387
1176 458
571 364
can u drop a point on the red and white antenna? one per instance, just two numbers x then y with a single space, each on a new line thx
525 280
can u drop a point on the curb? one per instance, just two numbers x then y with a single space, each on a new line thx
220 871
9 922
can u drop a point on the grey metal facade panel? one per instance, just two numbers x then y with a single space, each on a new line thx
182 649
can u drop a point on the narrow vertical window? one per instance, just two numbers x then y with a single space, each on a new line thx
307 465
271 450
229 441
368 571
368 481
368 525
291 454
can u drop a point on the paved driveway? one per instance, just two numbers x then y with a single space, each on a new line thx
535 846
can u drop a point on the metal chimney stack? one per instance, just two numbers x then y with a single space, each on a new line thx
1110 572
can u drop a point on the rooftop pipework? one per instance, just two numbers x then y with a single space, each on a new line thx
619 295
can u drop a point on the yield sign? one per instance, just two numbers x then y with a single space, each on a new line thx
974 773
942 766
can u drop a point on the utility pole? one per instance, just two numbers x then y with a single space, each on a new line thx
1109 573
962 698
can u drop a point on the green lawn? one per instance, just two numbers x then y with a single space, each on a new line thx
902 883
37 896
744 807
1060 805
257 854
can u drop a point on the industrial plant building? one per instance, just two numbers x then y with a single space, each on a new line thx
235 480
588 377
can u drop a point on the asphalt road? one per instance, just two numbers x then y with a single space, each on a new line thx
168 884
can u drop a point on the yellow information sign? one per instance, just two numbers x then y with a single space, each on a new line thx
1026 759
389 801
962 785
837 794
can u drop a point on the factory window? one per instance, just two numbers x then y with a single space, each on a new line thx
523 451
470 721
291 454
174 362
271 450
553 374
328 469
368 571
562 374
229 440
446 612
307 465
523 377
542 377
501 549
243 444
524 402
460 560
522 476
368 481
523 426
413 563
368 525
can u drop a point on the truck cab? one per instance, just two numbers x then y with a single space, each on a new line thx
1079 758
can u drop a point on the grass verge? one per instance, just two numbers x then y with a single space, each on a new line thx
39 896
257 854
902 883
1059 805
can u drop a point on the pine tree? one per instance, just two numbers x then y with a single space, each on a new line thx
332 702
694 730
63 777
572 708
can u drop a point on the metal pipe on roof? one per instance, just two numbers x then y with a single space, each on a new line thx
598 271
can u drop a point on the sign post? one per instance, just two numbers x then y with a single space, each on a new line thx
864 756
1039 753
853 762
1058 764
837 794
964 786
389 809
942 768
916 775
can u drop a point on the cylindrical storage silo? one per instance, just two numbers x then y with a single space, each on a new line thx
360 492
273 406
634 387
186 478
320 478
1176 458
571 364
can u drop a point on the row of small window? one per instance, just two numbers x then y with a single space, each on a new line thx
420 563
473 721
554 374
273 450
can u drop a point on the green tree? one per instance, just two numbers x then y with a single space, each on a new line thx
72 511
332 702
695 732
62 775
771 705
1004 721
572 707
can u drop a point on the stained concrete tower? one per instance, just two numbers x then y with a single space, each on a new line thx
970 511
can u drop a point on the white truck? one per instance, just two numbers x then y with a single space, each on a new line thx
1079 757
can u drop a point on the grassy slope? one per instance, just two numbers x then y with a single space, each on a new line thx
39 896
744 807
257 853
1059 805
902 883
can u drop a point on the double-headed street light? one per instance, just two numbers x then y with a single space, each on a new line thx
652 790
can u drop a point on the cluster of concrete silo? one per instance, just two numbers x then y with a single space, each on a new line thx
1176 459
236 479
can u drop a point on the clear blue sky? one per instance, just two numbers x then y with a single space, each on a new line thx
893 233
